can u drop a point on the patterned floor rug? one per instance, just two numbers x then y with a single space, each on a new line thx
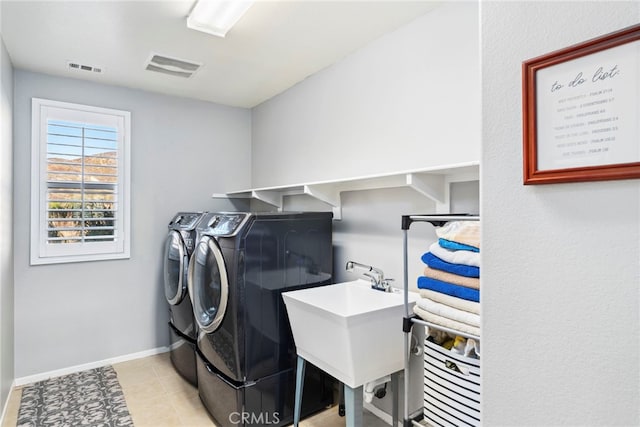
88 398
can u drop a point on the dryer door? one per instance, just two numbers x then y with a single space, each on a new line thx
208 284
175 264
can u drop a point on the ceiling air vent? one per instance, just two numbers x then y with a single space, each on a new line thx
172 66
76 66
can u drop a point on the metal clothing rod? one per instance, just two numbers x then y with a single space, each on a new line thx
407 336
436 220
445 217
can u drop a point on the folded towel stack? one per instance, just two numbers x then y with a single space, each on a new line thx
450 286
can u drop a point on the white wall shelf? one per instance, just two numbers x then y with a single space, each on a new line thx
433 183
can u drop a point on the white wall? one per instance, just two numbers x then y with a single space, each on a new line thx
409 100
561 263
402 102
71 314
6 226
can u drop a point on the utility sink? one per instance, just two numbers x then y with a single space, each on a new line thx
349 330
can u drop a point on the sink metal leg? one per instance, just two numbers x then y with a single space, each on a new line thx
299 387
353 403
396 398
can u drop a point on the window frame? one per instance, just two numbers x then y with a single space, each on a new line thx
43 252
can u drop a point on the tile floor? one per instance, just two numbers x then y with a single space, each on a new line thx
158 397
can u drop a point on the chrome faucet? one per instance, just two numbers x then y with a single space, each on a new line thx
375 275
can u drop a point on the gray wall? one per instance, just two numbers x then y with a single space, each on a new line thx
560 263
409 100
6 226
71 314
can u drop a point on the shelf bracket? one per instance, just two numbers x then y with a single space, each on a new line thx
273 198
431 186
328 195
331 197
435 187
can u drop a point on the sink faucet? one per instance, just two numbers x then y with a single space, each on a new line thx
375 275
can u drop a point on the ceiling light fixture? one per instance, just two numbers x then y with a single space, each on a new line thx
216 17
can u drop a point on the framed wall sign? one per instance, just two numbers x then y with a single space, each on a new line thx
581 111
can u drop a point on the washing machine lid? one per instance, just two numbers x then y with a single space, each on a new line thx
208 284
175 268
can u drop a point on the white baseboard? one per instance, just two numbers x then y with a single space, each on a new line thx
70 370
6 403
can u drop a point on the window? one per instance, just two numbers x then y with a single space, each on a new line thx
79 183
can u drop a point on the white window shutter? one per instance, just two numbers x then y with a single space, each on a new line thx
80 180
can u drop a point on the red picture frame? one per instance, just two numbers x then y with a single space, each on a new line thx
575 105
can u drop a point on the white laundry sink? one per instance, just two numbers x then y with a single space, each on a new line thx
349 330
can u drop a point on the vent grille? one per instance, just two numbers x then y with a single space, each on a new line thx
172 66
76 66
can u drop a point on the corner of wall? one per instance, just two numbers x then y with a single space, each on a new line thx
7 371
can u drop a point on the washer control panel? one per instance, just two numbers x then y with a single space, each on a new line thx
185 221
226 224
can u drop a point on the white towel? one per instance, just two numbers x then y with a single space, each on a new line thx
459 303
455 257
447 323
466 232
449 312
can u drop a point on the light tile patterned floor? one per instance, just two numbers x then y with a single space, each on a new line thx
11 414
158 397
